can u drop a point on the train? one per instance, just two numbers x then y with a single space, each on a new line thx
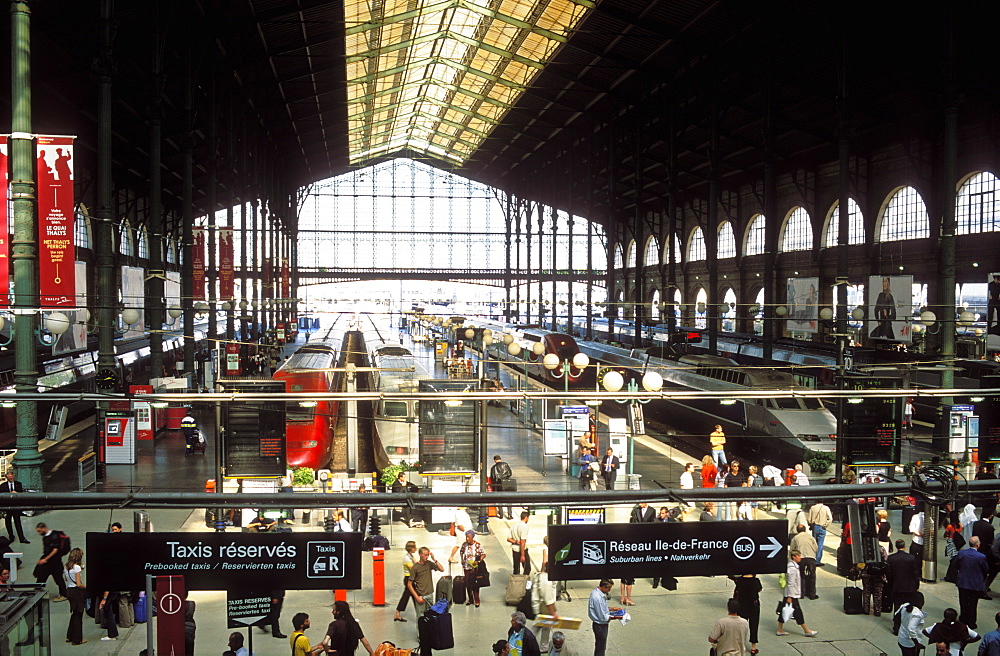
309 427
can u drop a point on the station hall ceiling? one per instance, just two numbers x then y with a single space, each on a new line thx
531 96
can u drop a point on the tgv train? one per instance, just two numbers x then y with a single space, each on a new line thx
309 428
397 421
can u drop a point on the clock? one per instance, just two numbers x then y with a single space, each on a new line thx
107 379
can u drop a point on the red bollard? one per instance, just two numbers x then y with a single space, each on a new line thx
340 595
378 577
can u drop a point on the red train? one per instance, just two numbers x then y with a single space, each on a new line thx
309 429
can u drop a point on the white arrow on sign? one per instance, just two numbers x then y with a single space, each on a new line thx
247 621
774 547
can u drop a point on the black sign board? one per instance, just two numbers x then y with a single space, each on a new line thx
988 411
870 427
667 549
242 562
449 428
253 431
247 609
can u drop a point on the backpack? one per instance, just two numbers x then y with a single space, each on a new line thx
64 544
505 471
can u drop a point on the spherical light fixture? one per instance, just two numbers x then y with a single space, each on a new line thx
487 332
175 311
928 318
858 313
508 340
514 349
754 310
538 348
57 323
825 314
612 381
780 311
581 361
130 316
652 381
227 306
966 318
550 361
700 308
469 333
487 340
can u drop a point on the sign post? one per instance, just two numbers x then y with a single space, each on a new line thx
666 549
247 609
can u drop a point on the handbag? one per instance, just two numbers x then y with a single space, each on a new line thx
451 529
787 610
482 575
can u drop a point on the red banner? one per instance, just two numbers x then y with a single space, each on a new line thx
198 263
286 279
56 271
4 234
171 599
227 288
268 283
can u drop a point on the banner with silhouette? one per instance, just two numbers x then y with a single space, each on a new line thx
56 252
198 263
227 287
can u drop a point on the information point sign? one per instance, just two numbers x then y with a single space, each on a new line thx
581 552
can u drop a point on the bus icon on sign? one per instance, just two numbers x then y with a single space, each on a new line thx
325 560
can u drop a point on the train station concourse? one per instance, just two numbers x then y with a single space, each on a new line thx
560 291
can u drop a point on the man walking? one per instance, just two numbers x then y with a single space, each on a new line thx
421 582
10 486
971 569
609 469
904 579
190 429
730 634
500 473
805 544
50 564
518 540
990 646
819 519
600 615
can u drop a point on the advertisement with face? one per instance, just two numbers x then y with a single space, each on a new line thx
802 301
890 304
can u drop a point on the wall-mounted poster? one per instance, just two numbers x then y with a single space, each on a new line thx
890 304
993 304
802 301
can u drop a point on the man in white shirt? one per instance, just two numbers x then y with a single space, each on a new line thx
687 480
917 531
820 519
518 540
799 477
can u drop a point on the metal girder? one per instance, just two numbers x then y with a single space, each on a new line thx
446 85
433 101
427 61
445 34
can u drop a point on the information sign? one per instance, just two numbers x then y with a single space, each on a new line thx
871 425
170 597
247 609
238 562
666 549
554 436
448 429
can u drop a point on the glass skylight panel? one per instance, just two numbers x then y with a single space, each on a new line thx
436 76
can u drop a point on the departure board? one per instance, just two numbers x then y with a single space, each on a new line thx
449 428
988 411
253 432
870 427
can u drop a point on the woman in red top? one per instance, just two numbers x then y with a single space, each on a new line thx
708 472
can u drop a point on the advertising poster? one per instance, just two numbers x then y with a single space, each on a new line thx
4 221
286 279
992 304
134 298
198 263
890 304
802 301
172 293
75 338
227 288
56 255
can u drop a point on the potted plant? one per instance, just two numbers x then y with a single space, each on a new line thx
304 479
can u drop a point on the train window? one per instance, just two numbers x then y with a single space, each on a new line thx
813 404
296 414
788 404
394 409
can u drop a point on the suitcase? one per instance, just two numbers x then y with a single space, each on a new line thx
491 511
458 590
509 485
444 589
140 609
517 586
436 631
852 601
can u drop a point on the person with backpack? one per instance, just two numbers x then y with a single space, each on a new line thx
55 545
500 473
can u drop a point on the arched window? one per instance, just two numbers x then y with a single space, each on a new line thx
904 217
652 252
977 206
755 236
855 225
729 310
619 303
81 230
696 247
630 255
758 316
797 234
143 243
619 260
654 306
171 251
727 241
125 240
677 252
701 308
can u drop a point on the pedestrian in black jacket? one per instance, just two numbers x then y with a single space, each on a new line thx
903 576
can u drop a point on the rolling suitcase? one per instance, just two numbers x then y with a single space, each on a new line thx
458 590
852 601
443 590
517 586
436 631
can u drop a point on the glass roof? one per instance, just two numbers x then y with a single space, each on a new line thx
436 76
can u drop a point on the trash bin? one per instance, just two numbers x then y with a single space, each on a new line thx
140 520
633 481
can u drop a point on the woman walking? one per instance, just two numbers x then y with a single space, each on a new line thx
409 558
77 594
747 595
471 554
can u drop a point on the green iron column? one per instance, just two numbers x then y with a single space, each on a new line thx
24 252
107 290
187 220
156 232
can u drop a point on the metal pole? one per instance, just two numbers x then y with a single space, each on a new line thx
150 633
156 232
103 244
187 221
220 521
24 255
484 526
352 420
